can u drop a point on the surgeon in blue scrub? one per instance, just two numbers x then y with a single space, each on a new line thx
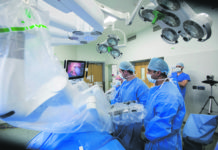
181 77
166 110
132 89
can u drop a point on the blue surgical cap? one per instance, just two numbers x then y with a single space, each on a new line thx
125 65
158 64
180 64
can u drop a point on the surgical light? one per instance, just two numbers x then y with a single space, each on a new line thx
147 13
169 35
102 48
115 53
171 20
169 4
110 46
176 18
112 40
198 26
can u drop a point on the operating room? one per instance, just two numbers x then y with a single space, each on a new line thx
139 42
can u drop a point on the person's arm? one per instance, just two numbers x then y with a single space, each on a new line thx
142 94
183 83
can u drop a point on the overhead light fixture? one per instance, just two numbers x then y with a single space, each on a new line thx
198 26
102 48
176 19
115 53
170 36
110 46
147 13
171 19
112 40
169 4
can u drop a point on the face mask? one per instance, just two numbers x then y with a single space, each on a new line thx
178 69
150 79
77 70
120 74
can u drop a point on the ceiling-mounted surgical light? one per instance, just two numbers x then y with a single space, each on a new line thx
115 53
176 18
102 48
146 13
169 4
112 40
170 36
171 20
110 46
198 26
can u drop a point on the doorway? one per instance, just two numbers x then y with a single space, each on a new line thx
141 69
95 74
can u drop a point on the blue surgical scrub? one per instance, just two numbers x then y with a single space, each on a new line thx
179 78
132 90
165 113
129 135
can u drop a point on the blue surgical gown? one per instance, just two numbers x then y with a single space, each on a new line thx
132 90
183 76
129 135
165 113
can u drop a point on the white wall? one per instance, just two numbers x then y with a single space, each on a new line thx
65 52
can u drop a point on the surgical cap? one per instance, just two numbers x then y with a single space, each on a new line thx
158 64
180 64
125 65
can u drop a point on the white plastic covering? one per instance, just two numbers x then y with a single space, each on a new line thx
34 86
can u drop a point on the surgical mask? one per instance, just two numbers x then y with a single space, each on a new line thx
120 74
178 69
77 70
150 79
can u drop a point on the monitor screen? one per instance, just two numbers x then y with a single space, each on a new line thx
75 69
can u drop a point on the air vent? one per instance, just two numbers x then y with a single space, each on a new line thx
131 38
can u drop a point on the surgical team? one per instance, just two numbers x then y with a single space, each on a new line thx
164 103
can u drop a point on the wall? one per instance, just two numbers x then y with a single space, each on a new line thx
198 66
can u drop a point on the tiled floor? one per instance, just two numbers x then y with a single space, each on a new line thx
17 138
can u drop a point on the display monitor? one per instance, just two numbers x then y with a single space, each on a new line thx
75 69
